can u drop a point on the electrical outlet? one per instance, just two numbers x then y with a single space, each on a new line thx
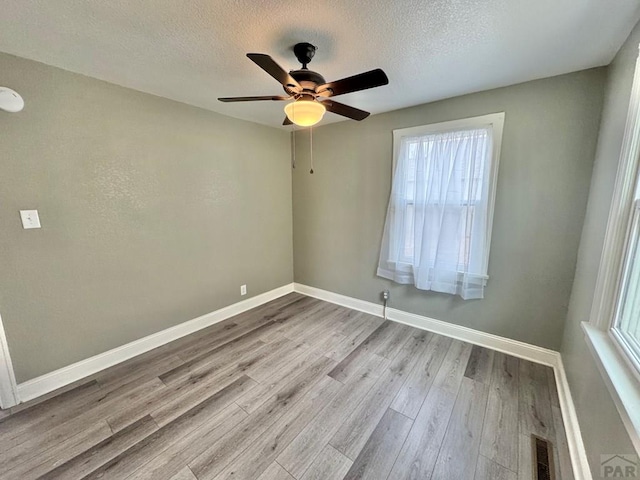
385 295
243 289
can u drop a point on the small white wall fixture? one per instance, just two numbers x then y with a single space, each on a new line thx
10 100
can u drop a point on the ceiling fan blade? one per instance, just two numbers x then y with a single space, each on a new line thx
287 121
252 99
363 81
270 66
345 110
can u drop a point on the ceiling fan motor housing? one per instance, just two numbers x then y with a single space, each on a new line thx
308 80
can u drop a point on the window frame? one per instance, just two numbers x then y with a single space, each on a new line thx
496 121
618 367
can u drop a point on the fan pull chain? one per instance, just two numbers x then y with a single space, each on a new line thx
293 148
311 147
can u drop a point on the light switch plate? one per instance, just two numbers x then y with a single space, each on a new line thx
30 219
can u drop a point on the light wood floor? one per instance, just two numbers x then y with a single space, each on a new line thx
295 389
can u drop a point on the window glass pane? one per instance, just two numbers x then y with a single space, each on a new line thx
443 184
408 233
628 316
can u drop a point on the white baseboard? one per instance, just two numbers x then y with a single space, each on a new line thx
494 342
579 460
343 300
506 345
59 378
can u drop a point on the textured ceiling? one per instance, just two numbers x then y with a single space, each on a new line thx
194 51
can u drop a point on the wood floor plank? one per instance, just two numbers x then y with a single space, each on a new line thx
535 400
40 439
179 397
525 458
48 402
63 451
247 459
51 411
419 452
103 452
143 372
354 432
184 474
66 420
553 390
266 449
248 322
201 339
324 343
143 452
500 432
350 366
220 356
302 451
379 453
291 372
411 395
480 364
463 433
399 335
290 324
330 464
385 338
188 447
201 383
355 324
241 323
275 472
358 330
163 358
312 323
489 470
330 334
212 460
193 357
289 353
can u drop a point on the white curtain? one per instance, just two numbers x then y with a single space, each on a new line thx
435 235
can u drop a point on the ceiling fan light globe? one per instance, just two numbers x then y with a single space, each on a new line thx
305 113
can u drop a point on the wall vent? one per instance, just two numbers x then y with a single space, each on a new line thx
542 459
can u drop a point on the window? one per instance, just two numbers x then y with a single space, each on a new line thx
613 329
438 227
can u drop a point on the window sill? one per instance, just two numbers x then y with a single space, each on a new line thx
620 379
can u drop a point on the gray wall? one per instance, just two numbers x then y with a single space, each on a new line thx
602 429
548 148
153 213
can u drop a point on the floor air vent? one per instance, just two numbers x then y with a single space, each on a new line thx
542 459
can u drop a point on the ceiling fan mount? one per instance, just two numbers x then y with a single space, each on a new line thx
304 52
305 85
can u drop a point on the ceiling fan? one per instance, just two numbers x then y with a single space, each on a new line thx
309 90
